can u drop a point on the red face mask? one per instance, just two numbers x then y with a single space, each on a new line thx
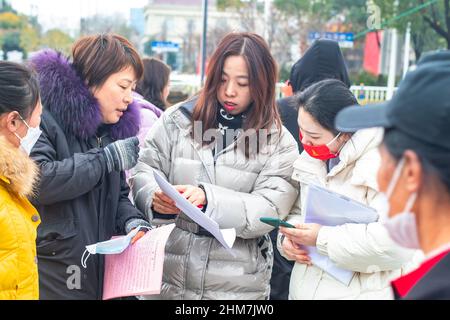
320 152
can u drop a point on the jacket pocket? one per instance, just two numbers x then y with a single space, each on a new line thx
54 238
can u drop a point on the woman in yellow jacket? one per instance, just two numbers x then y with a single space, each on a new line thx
20 112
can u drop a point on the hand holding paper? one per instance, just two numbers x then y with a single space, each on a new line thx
193 194
329 208
138 270
138 236
303 234
225 236
295 252
163 204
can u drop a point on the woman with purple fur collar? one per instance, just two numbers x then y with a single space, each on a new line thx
89 126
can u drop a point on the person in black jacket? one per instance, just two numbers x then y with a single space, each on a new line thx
88 139
415 171
323 60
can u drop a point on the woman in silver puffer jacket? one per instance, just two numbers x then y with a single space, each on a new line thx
227 151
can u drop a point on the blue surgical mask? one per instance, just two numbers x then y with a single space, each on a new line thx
113 246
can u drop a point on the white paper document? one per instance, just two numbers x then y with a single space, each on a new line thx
328 208
225 236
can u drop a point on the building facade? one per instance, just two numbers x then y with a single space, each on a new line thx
181 22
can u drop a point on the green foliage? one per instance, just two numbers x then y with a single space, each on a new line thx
224 4
9 20
58 40
368 79
285 72
29 39
11 42
428 26
6 7
22 33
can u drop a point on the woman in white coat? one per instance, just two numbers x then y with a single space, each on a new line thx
347 164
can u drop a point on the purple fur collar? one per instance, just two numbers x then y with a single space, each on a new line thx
68 99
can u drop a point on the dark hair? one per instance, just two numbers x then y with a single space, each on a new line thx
97 57
19 89
323 60
435 161
262 70
323 101
156 78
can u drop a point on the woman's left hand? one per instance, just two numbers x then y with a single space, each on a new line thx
303 233
194 195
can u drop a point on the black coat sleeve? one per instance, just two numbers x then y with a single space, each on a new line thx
63 179
289 117
126 211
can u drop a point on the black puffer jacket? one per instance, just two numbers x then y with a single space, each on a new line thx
80 203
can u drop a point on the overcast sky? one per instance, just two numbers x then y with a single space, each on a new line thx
65 14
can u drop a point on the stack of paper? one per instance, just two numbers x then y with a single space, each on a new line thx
328 208
138 270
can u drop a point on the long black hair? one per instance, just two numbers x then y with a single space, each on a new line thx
323 101
19 89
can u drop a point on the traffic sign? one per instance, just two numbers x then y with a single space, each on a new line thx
165 46
345 39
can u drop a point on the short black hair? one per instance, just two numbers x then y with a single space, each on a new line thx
19 89
323 101
435 161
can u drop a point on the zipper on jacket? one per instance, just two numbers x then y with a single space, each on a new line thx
99 142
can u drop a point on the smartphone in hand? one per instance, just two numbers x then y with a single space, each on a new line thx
275 222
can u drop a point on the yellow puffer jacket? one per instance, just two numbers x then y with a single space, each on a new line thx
18 223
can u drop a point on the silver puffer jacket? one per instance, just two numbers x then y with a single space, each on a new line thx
239 191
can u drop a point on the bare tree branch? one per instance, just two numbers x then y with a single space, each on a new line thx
434 13
436 27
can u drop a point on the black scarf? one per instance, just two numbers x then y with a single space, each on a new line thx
230 127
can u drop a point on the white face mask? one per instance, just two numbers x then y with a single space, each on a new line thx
27 143
402 228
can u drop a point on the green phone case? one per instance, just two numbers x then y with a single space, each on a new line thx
276 222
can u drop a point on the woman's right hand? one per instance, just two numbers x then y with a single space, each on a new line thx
293 252
163 204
